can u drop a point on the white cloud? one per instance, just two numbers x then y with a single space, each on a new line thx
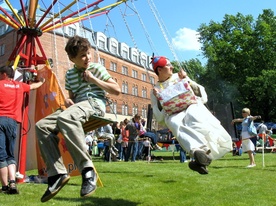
186 39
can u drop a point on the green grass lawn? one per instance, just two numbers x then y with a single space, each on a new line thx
166 182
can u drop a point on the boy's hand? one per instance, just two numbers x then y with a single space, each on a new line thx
68 102
87 75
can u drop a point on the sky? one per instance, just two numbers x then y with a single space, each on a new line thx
164 27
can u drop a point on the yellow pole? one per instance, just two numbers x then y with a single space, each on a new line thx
8 21
101 9
15 13
82 17
57 14
16 61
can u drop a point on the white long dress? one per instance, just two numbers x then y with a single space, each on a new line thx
196 127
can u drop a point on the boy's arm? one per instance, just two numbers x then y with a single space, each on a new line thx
69 101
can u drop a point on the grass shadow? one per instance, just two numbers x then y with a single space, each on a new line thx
98 201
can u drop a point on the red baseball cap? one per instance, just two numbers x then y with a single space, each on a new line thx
159 61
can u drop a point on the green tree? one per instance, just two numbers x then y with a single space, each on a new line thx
241 57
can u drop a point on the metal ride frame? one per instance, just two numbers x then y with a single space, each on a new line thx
28 32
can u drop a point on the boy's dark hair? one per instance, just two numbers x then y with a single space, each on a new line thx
76 44
8 70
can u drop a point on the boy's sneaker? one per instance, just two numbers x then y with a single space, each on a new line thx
4 189
12 188
55 184
89 183
198 168
157 147
202 158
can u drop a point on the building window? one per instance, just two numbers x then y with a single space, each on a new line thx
125 88
2 49
135 58
124 109
114 49
144 112
134 109
144 62
72 31
125 70
113 67
125 54
144 92
152 81
2 29
102 61
144 77
101 44
135 90
134 74
113 107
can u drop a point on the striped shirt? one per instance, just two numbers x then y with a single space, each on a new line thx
75 83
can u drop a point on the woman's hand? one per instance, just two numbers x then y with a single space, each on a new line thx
182 74
155 91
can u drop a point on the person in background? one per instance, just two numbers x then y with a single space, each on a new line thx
133 135
145 133
124 138
118 138
87 83
89 141
247 145
147 148
182 153
11 102
197 130
262 128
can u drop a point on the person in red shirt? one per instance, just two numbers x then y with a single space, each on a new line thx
11 100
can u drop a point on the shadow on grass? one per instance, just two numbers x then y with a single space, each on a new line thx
235 159
99 201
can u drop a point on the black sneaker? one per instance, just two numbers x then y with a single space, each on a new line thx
55 184
198 168
89 183
4 189
202 158
12 188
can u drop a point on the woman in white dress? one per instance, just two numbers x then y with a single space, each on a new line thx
196 129
247 144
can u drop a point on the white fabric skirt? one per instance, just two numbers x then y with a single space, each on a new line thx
247 145
197 128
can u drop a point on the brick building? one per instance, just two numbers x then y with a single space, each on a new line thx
128 66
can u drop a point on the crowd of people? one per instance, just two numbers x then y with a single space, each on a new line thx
127 140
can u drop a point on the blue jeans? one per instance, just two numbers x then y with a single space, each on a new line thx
140 149
120 150
152 136
132 146
8 130
182 153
